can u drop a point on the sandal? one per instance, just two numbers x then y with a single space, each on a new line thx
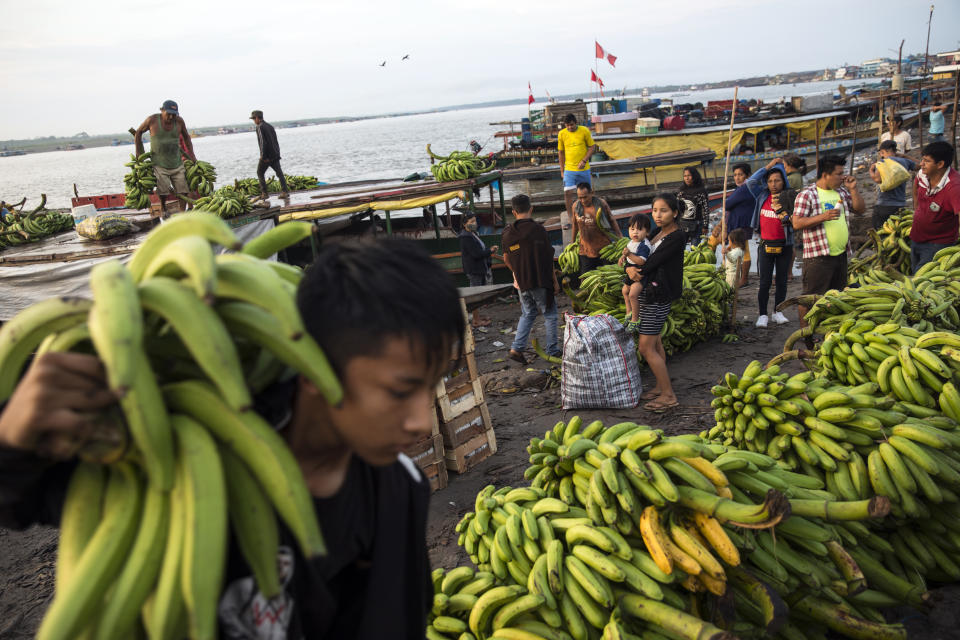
658 406
649 395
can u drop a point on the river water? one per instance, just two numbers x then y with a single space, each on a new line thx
376 148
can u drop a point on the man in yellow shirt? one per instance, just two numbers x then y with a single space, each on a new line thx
575 146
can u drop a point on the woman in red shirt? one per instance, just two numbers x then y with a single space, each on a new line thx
776 246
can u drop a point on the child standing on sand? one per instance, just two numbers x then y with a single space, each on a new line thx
733 259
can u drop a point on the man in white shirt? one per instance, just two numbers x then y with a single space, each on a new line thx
898 135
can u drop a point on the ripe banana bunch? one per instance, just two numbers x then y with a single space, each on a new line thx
700 254
200 176
459 165
226 202
140 182
891 250
185 338
18 228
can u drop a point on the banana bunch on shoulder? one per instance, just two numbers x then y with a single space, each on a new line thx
226 202
200 176
140 182
459 165
185 337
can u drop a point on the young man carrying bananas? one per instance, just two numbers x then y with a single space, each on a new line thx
388 318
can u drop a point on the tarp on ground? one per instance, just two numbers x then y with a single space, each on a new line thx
378 205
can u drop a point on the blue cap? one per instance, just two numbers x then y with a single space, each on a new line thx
170 106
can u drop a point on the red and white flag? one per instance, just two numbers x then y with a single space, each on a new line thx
530 99
593 76
600 53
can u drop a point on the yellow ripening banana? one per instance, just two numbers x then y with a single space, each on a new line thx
253 522
76 606
262 449
304 355
21 335
202 332
189 256
711 529
655 539
279 238
203 224
79 519
257 284
205 525
692 547
139 574
706 468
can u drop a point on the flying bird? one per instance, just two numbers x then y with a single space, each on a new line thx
383 64
405 57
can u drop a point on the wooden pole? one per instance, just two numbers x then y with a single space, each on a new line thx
926 59
880 115
953 128
817 144
726 169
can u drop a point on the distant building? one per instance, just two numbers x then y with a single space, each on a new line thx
846 73
945 65
875 67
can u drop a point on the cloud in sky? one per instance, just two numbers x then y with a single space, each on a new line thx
101 67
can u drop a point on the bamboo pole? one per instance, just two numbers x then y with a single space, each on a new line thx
817 144
953 128
881 114
926 61
723 206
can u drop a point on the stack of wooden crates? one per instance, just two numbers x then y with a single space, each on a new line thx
463 432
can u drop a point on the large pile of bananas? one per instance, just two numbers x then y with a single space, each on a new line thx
626 531
226 202
459 165
140 182
185 337
700 254
891 249
200 176
18 228
927 301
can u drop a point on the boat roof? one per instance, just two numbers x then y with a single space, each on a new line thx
773 122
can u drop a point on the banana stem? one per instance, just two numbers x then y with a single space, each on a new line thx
875 507
795 337
775 508
544 355
787 356
842 622
677 622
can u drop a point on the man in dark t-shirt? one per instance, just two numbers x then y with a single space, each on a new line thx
388 318
529 254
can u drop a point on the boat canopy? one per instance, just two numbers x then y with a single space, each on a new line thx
622 146
379 205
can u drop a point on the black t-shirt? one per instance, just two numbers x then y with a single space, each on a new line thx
531 254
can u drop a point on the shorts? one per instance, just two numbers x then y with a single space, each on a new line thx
171 180
653 315
824 273
572 178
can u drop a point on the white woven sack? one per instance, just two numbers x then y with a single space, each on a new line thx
600 368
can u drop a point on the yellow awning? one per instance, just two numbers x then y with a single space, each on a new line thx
379 205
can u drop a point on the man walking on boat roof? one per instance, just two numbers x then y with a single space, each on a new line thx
167 129
575 146
269 155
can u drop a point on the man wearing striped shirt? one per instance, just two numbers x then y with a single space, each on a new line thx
820 211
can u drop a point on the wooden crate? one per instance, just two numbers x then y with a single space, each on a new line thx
468 343
459 401
471 452
428 455
465 427
462 373
436 473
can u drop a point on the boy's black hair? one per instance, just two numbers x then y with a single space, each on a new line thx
940 151
570 119
743 166
898 120
359 293
521 203
586 186
641 220
695 175
889 145
737 237
828 163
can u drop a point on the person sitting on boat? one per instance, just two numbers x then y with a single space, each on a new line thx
595 224
167 129
575 146
740 205
898 135
694 219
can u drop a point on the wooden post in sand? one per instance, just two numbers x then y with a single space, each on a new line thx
723 208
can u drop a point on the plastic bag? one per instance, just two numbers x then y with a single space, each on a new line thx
600 368
105 226
892 174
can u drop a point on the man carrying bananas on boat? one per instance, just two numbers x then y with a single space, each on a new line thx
166 130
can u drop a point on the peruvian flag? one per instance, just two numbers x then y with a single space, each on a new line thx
611 59
600 53
530 99
593 76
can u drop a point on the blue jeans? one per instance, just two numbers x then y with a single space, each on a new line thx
533 302
922 252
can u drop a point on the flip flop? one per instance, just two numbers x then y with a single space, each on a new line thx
649 395
660 407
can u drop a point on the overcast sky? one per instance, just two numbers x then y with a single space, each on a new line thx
103 66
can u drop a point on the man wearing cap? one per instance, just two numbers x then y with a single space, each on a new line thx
166 130
269 154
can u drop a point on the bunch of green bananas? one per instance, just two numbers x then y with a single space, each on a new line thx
18 228
569 258
251 186
700 254
185 338
891 249
301 183
628 531
459 165
612 252
200 176
226 202
140 182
